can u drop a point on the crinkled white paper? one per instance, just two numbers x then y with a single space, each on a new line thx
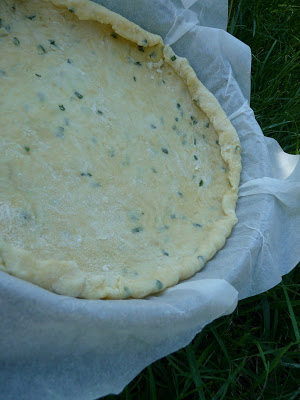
58 348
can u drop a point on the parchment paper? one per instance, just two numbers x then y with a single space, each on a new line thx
55 347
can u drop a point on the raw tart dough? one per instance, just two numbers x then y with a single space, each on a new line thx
119 170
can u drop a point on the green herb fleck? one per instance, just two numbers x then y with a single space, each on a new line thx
201 183
42 48
195 157
180 194
85 174
223 168
166 151
173 216
31 17
78 95
13 8
25 215
112 153
159 285
70 61
207 125
194 120
134 78
60 132
154 170
217 142
173 58
153 126
114 35
176 119
138 229
165 253
174 127
144 41
200 258
178 105
126 292
16 41
138 63
27 149
195 141
38 75
0 23
52 42
71 10
141 48
196 225
62 107
163 82
100 112
152 54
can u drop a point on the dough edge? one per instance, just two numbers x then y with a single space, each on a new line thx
65 277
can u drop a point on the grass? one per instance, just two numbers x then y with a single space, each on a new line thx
253 353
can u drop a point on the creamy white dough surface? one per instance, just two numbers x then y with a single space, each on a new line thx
114 182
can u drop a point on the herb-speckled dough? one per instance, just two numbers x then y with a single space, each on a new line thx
119 170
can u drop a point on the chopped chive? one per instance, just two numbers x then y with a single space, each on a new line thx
173 58
42 48
100 112
152 54
138 229
62 107
141 48
78 95
217 142
13 8
207 125
153 126
138 63
194 120
195 141
197 225
25 215
154 170
201 183
31 17
178 105
165 253
52 42
0 23
27 149
176 119
38 75
163 82
16 41
134 78
70 61
114 35
85 174
166 151
180 194
71 10
159 285
60 132
195 157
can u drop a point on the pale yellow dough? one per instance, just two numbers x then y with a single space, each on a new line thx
119 170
